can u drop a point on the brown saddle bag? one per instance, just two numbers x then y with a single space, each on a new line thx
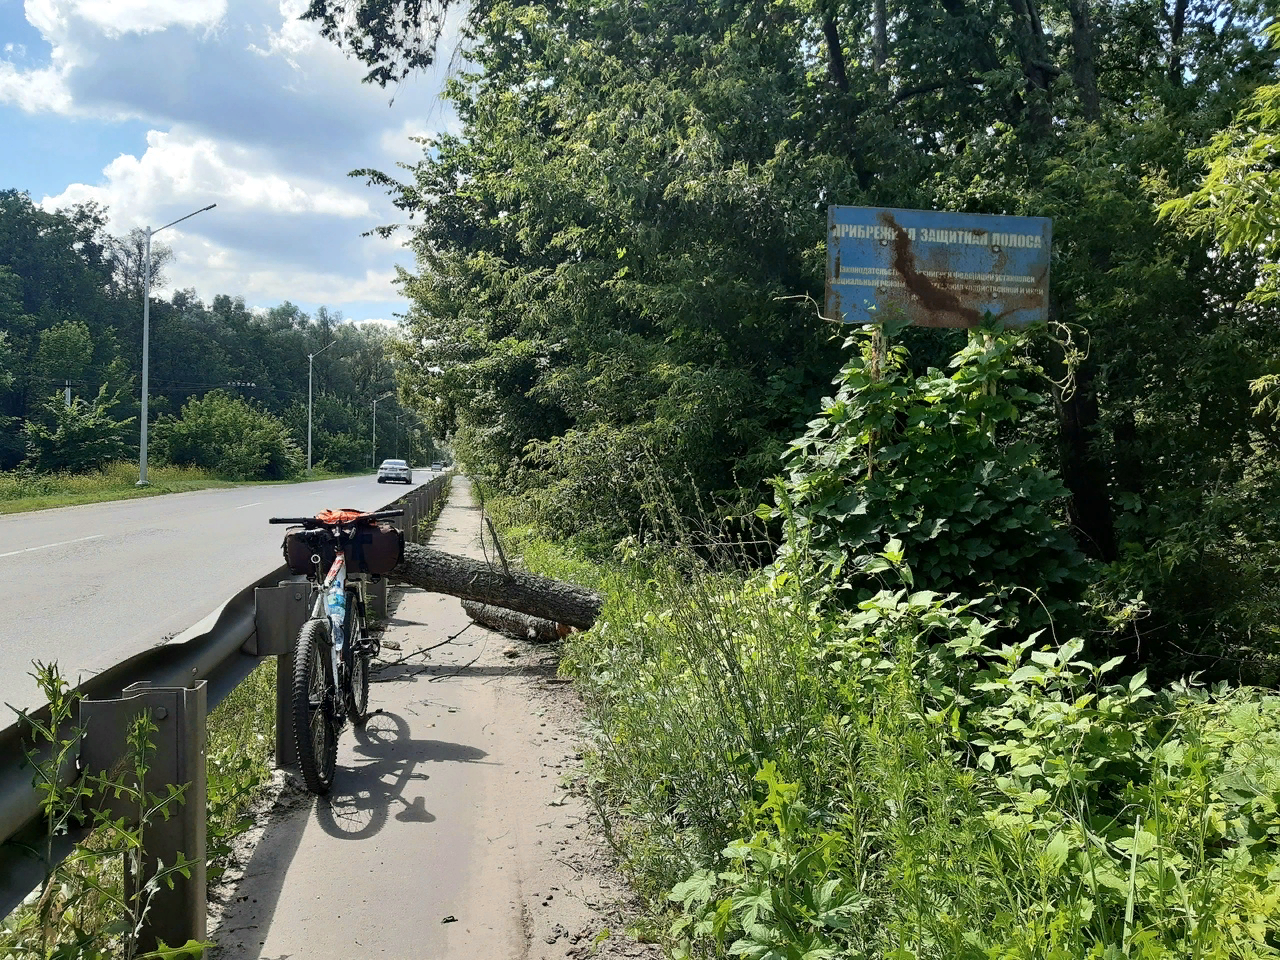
375 548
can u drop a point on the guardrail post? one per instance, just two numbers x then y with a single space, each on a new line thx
176 914
376 594
279 614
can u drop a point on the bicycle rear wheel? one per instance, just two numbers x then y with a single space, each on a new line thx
315 728
358 658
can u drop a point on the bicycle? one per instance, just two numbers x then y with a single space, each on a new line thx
334 649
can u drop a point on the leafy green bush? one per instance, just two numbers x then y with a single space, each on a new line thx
223 433
935 461
894 781
83 436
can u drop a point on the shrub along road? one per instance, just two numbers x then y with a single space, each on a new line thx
93 584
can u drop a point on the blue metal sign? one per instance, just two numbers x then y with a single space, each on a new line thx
939 269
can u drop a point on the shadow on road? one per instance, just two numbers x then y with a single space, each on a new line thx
385 764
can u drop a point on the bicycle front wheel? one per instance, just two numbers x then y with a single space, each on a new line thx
315 727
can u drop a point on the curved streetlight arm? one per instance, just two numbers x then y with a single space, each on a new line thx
312 356
180 219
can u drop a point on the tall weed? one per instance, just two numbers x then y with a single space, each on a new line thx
895 781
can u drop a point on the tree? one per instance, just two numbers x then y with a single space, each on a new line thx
392 39
1238 202
6 362
76 438
223 433
603 248
66 351
127 259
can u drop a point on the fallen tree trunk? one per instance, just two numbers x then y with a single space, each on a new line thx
469 579
518 626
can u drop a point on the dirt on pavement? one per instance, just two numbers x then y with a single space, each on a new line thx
457 826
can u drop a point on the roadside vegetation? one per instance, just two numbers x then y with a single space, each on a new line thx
228 383
84 910
917 733
24 490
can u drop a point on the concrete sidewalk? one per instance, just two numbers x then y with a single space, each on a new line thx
455 827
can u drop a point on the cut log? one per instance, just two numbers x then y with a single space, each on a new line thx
469 579
518 626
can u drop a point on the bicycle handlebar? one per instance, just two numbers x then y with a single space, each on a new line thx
312 522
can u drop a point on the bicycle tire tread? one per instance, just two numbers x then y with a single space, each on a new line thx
317 772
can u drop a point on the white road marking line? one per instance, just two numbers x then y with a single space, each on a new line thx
50 546
255 504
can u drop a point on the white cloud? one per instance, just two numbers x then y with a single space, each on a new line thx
182 166
293 37
249 108
209 266
35 91
114 17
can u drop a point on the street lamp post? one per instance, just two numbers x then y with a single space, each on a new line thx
310 363
375 425
146 339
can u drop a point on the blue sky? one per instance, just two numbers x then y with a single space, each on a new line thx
155 108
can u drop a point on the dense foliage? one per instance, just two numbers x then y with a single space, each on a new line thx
791 779
934 462
223 433
71 314
76 438
606 246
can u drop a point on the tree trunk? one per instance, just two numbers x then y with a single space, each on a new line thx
1084 474
469 579
1084 71
518 626
835 53
1176 29
880 33
1033 52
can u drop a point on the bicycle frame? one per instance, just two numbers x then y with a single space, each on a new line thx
331 605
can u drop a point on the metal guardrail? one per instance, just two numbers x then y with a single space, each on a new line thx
179 681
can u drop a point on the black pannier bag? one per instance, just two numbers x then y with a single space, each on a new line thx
375 548
300 545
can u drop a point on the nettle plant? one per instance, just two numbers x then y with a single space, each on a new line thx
932 460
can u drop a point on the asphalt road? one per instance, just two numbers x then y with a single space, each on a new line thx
90 585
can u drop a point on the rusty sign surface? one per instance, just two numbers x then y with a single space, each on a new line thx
940 269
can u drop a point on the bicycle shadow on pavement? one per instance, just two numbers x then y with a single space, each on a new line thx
373 783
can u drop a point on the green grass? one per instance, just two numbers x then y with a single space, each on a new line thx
21 491
787 782
240 749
